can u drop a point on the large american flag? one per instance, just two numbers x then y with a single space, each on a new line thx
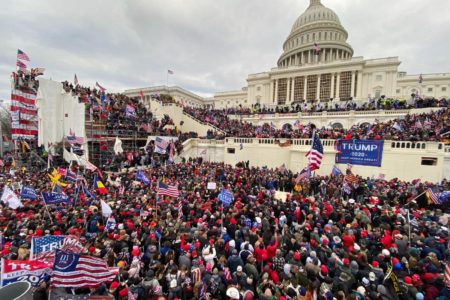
315 155
76 271
22 55
168 190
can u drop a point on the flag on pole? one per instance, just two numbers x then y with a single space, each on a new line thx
98 184
106 209
31 271
168 190
22 55
315 155
75 80
100 87
161 145
432 196
55 198
130 111
305 173
170 72
336 171
141 177
75 271
420 79
141 93
28 193
21 65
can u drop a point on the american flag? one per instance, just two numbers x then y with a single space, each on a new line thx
75 80
196 275
141 93
433 196
21 65
350 178
22 55
180 210
227 274
447 274
168 190
100 87
305 173
76 271
315 155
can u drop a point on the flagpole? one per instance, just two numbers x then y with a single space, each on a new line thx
46 208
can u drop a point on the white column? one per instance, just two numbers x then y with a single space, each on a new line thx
338 84
352 92
272 88
332 85
309 57
288 85
318 87
302 61
292 89
359 86
306 87
276 91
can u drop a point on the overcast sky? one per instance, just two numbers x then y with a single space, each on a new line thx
211 45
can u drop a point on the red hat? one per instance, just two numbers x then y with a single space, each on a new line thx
395 260
297 255
346 261
407 280
375 264
429 276
324 270
123 293
114 285
91 249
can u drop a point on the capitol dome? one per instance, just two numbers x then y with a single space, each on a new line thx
316 36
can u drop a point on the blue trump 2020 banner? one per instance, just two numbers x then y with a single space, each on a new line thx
355 152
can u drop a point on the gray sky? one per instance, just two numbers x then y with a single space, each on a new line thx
211 45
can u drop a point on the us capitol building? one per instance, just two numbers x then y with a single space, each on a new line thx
304 72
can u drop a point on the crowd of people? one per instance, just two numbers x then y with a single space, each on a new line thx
417 127
316 242
371 104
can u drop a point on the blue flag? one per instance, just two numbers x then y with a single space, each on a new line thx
226 197
336 171
28 193
141 177
444 196
88 193
54 198
46 244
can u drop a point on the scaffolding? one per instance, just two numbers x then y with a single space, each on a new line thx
100 140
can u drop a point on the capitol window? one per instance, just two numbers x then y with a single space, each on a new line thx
398 91
444 89
430 89
258 88
378 78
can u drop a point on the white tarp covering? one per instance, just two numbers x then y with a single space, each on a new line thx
58 113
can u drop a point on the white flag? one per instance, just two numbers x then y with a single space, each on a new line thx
106 209
118 146
10 198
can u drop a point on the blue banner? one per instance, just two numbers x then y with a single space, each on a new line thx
54 198
28 193
355 152
46 244
226 197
